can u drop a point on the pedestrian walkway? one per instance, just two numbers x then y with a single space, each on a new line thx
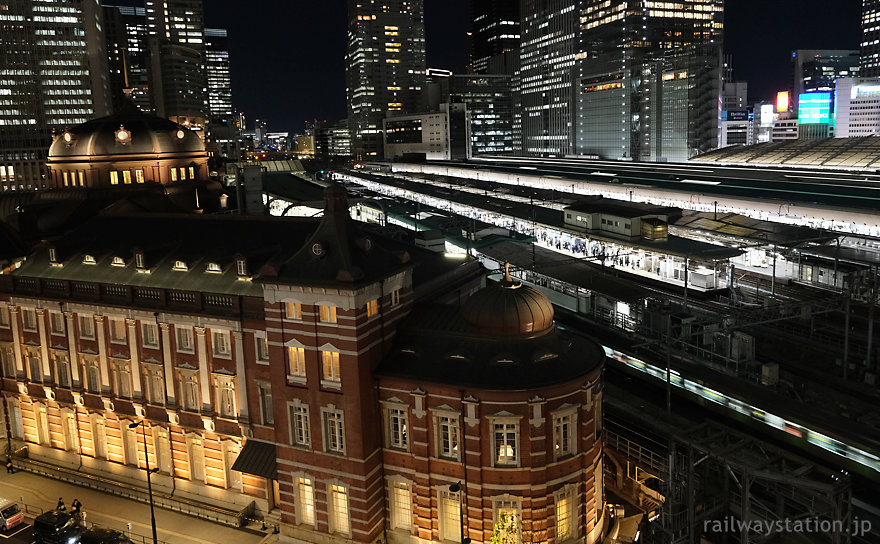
115 512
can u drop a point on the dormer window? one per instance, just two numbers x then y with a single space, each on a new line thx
140 262
241 267
118 261
214 268
53 255
89 259
180 265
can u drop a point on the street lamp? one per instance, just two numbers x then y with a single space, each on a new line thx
455 488
149 473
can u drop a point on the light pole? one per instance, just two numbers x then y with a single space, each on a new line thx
149 473
455 488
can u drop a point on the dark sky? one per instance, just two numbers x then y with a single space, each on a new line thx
287 56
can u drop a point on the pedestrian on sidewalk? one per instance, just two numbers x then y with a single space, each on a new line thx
61 506
9 468
76 505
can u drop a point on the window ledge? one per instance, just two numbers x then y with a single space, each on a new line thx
331 384
263 362
297 380
222 355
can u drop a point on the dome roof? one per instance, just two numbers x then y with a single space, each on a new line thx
126 134
508 308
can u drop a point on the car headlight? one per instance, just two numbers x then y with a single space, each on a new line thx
73 540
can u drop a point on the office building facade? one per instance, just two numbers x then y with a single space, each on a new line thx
623 45
385 67
495 36
857 107
176 35
55 75
869 61
817 69
217 71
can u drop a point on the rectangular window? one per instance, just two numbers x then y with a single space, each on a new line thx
339 521
226 397
68 426
305 495
122 378
182 173
4 316
564 517
189 390
117 330
262 349
450 516
220 344
29 319
266 409
7 360
173 174
93 380
299 425
505 444
156 385
62 369
139 176
35 366
56 323
296 362
82 179
395 297
401 506
66 177
330 361
397 428
99 437
114 178
126 177
293 310
192 172
447 429
327 314
196 459
184 339
372 307
86 327
334 432
150 334
563 441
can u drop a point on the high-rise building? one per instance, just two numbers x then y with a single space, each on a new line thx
816 70
332 140
54 76
548 46
385 67
219 78
870 45
489 102
131 62
623 47
177 60
857 107
495 36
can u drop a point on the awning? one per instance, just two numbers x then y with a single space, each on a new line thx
257 458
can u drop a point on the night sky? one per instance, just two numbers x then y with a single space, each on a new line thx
288 56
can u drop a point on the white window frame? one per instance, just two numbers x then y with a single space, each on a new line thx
24 321
449 514
190 394
54 331
145 326
395 297
111 325
396 427
448 421
292 310
295 355
565 441
226 404
333 428
338 525
90 320
187 332
70 429
61 360
155 380
122 383
305 499
260 338
300 423
264 398
565 513
91 368
195 453
400 499
508 503
221 344
327 313
510 424
4 316
330 360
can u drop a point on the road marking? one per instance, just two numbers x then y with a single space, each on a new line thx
23 527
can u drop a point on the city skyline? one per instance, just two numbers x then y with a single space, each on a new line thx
315 76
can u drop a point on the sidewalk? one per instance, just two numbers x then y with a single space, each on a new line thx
115 512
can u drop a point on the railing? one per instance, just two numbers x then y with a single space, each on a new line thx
636 452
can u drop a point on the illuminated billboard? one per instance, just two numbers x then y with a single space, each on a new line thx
814 108
782 101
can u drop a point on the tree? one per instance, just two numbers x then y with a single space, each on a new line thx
505 531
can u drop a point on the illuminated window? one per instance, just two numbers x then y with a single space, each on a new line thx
118 261
126 177
450 516
66 181
396 431
305 495
327 314
214 267
505 444
174 174
395 297
563 435
447 437
139 176
192 172
372 307
330 363
114 178
299 425
182 173
296 362
401 506
339 520
293 310
179 265
82 179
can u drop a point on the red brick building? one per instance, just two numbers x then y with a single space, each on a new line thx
277 363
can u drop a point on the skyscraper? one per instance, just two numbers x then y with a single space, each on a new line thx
548 45
817 70
870 59
624 45
495 36
177 60
132 61
217 68
54 75
385 67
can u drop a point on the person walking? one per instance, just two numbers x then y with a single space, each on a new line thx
9 468
77 506
61 506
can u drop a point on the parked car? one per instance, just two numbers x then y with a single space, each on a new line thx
57 527
102 535
10 514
